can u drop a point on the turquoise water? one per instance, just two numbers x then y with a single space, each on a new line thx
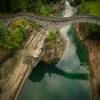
75 57
65 79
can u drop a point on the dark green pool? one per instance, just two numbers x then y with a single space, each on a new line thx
66 79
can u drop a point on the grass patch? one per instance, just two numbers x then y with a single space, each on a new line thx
50 39
50 34
94 7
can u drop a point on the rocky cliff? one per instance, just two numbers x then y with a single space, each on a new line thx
37 47
54 48
93 48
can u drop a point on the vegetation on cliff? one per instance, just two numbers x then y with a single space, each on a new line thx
90 7
12 40
54 46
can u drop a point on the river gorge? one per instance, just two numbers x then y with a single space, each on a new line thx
65 79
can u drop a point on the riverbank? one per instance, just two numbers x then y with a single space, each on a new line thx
93 48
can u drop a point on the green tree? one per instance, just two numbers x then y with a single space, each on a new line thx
91 29
41 7
17 5
83 9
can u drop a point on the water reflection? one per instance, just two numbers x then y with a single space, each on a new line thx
75 57
43 68
80 50
47 82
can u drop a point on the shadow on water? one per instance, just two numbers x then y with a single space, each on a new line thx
81 50
42 68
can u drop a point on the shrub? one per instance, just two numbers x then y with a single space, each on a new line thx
91 29
83 9
50 34
3 31
18 33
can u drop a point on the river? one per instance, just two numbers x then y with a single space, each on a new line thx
66 79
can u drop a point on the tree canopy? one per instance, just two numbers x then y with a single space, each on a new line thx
41 7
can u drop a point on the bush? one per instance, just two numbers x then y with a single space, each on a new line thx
77 2
35 26
41 7
50 34
3 31
83 9
13 40
91 29
18 33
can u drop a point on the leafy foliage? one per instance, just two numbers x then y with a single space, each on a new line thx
50 34
77 2
83 9
91 29
17 5
41 7
19 32
2 31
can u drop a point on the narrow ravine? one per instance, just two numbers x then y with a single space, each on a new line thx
66 79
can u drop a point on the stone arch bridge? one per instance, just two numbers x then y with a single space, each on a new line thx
48 23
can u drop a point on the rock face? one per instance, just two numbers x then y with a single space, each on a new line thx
38 47
93 48
54 48
27 58
57 8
